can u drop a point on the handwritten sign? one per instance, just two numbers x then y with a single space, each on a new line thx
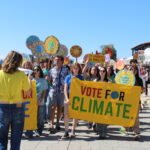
96 58
30 103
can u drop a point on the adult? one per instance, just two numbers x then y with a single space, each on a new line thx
102 128
110 74
12 82
75 72
41 87
133 62
27 65
56 92
90 74
138 82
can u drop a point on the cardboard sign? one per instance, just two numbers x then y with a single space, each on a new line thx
51 45
125 77
141 56
66 60
105 103
107 57
38 49
76 51
120 64
63 50
31 40
96 58
30 103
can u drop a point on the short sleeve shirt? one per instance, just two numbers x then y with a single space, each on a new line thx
41 85
57 76
69 78
11 86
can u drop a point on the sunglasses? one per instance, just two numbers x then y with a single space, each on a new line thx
102 71
36 70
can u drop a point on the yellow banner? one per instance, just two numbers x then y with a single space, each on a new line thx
96 58
105 103
30 109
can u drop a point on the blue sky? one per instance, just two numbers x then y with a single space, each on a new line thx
88 23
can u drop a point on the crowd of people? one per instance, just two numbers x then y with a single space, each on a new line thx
53 80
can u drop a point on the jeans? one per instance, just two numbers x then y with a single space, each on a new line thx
46 102
41 118
12 116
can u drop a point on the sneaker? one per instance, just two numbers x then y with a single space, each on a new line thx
123 131
137 137
73 134
58 127
94 127
102 136
65 136
28 136
89 125
36 134
46 122
52 131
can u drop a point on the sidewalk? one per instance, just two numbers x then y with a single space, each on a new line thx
87 140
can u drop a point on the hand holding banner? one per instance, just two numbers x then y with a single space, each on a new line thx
105 103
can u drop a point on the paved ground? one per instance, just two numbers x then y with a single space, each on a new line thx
87 140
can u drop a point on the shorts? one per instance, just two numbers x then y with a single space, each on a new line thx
56 99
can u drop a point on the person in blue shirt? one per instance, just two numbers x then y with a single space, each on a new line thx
75 72
41 87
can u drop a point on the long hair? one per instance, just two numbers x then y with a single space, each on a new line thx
27 63
137 69
112 71
105 78
12 61
97 70
76 65
40 70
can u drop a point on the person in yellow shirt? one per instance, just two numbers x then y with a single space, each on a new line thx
12 82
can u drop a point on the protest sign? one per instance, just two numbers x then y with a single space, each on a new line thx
120 64
107 57
105 103
125 77
51 45
76 51
38 49
31 40
141 56
96 58
63 50
66 60
30 103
